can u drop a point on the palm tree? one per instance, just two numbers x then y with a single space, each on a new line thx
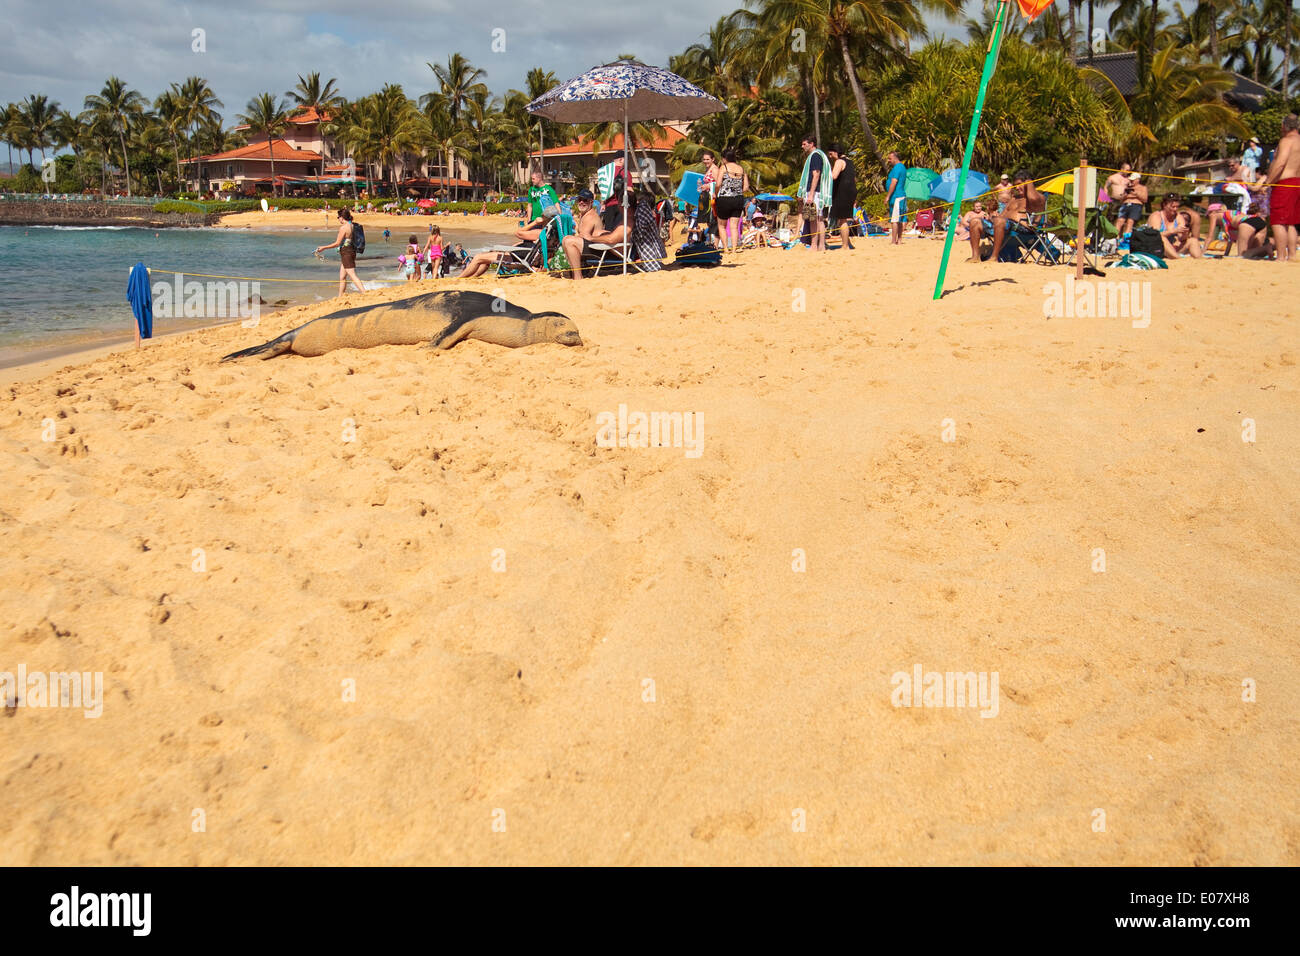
118 105
172 117
716 65
381 127
268 116
1176 104
150 138
310 93
457 82
199 102
9 119
438 133
67 131
39 116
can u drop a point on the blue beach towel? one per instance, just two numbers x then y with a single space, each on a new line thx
140 296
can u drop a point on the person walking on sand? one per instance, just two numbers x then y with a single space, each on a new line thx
1284 196
347 253
895 190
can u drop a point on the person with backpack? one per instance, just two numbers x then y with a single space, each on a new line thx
350 241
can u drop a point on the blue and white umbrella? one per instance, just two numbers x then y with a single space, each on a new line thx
628 91
625 90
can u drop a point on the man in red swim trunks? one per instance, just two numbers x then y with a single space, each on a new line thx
1284 195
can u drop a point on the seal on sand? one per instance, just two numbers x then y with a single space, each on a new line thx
439 318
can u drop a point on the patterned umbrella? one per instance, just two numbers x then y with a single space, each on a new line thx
629 91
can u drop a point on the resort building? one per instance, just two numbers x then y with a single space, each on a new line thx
571 167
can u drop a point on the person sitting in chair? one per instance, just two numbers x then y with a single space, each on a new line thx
541 197
591 229
1026 201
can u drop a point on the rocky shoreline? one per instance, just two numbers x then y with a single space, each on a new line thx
58 212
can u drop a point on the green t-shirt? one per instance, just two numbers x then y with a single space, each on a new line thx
541 197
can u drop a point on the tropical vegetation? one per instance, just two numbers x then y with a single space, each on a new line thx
872 75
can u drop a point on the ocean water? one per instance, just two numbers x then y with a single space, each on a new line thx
68 283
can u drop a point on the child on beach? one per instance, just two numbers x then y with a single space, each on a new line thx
412 258
433 253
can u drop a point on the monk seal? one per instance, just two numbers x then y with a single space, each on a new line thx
439 318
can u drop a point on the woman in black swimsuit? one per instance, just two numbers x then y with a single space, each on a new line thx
844 191
733 183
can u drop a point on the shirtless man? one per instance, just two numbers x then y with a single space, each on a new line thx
976 224
1284 200
1179 234
1025 201
1003 193
590 229
1127 189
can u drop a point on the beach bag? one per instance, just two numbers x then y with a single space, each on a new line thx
1146 241
699 254
358 238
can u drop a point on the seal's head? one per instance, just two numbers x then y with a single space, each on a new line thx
559 328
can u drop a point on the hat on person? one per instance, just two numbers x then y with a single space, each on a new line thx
1254 140
758 214
1135 176
586 194
1005 176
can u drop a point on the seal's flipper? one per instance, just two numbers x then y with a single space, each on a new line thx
266 350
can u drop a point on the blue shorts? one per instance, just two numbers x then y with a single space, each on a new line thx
898 209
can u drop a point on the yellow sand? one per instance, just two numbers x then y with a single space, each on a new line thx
524 690
373 222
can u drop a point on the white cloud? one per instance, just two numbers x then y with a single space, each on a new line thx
67 50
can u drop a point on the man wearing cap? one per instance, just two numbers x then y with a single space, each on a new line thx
1004 193
1250 160
590 229
1132 204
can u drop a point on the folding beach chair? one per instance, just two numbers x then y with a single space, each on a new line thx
532 256
602 254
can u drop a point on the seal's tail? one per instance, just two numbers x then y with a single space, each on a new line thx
266 350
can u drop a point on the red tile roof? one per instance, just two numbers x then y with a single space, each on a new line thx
308 114
667 141
283 151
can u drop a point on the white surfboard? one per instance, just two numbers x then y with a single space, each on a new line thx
264 205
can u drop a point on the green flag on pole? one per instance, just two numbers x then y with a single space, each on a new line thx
990 64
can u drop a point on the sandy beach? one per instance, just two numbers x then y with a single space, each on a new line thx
373 222
396 606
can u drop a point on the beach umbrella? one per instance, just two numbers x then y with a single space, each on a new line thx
625 91
918 182
425 203
945 188
1057 184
